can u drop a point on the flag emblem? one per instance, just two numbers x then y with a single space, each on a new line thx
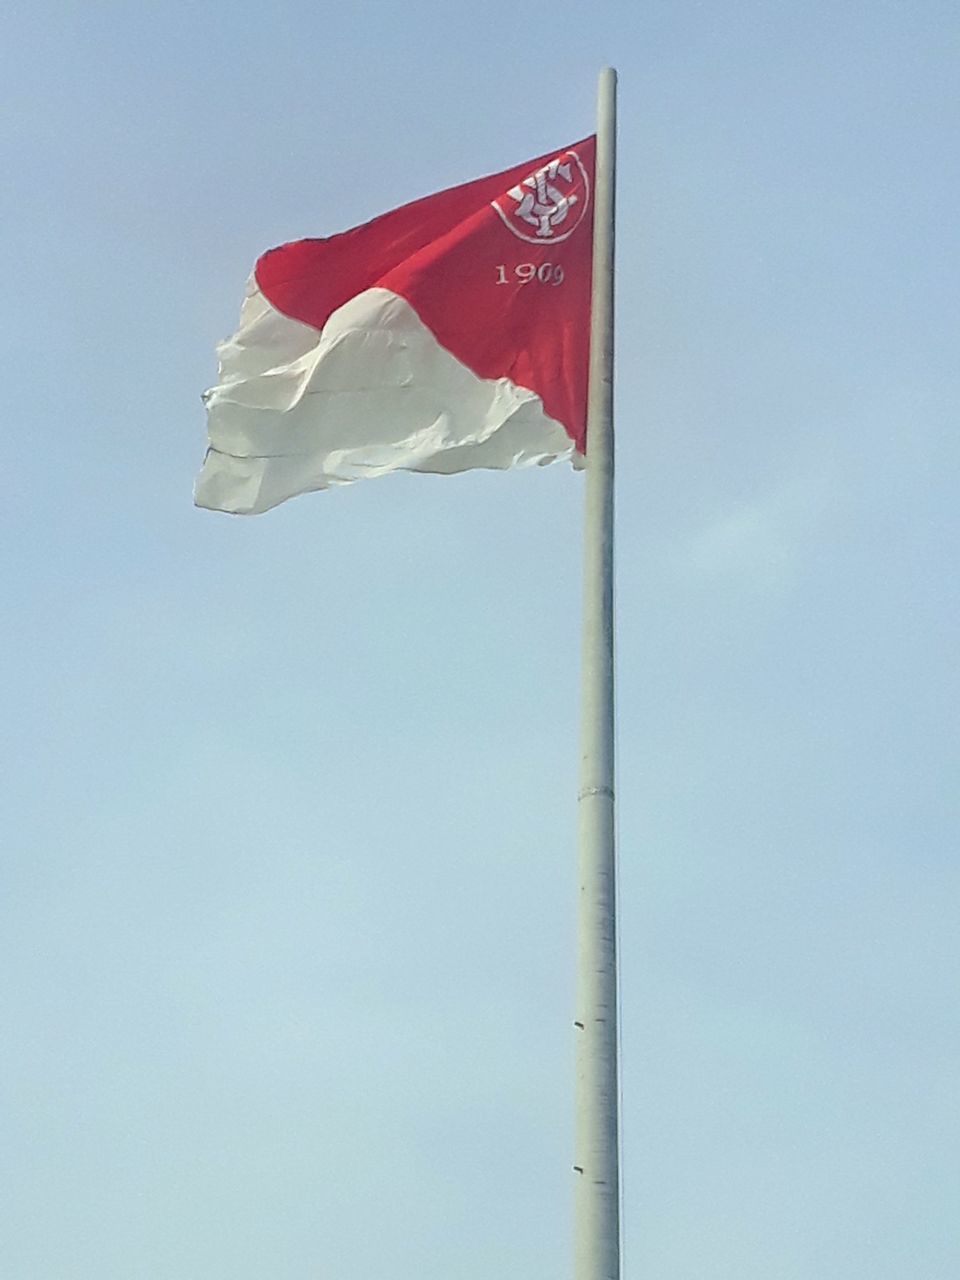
549 204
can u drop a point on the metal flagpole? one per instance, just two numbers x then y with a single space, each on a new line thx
597 1162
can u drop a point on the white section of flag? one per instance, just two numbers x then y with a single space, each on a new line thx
297 409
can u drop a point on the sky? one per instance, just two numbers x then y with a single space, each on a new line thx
288 831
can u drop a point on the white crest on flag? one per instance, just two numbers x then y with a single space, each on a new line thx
551 202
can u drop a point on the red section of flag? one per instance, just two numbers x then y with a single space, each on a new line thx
498 269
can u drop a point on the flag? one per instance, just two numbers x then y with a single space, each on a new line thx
448 334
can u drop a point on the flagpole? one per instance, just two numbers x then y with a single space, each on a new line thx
597 1161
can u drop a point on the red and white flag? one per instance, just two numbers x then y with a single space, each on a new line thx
449 334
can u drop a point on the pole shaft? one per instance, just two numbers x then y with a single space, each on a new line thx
597 1163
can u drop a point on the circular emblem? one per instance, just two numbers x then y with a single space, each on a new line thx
550 204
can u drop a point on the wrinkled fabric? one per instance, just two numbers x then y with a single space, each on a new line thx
297 410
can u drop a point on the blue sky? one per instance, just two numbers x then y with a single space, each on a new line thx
287 882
